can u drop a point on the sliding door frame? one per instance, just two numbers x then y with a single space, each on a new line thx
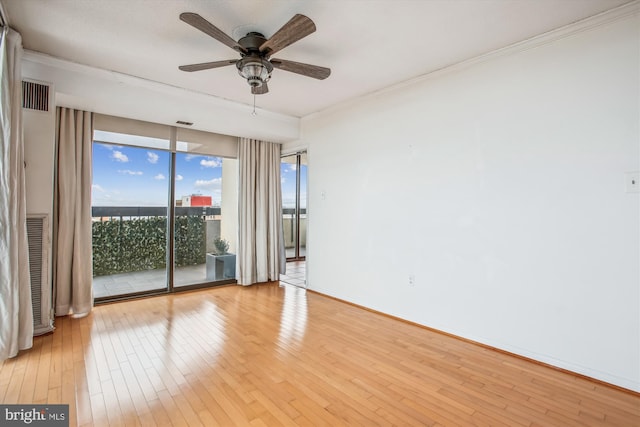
170 233
297 209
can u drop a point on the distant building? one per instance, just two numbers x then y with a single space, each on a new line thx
196 200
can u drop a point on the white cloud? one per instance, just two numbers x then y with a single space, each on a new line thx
119 156
190 157
211 184
210 163
159 176
179 177
130 172
101 196
152 157
109 147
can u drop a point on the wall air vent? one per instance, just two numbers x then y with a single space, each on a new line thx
35 96
180 122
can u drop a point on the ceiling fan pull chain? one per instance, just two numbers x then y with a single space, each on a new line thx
253 113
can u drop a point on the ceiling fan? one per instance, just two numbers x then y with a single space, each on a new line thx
255 63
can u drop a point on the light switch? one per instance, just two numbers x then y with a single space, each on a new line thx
632 181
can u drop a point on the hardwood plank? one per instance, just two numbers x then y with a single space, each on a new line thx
160 415
110 396
211 407
27 389
173 411
82 395
98 410
14 384
270 355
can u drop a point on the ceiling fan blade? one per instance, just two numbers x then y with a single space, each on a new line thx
207 65
308 70
208 28
260 90
298 27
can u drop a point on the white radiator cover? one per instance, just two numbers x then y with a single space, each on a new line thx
37 235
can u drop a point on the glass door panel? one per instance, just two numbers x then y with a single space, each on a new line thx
302 210
129 219
203 248
293 170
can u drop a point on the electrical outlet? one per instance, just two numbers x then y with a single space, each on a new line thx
412 280
632 180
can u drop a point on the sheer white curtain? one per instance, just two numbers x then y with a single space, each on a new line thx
72 265
16 313
261 256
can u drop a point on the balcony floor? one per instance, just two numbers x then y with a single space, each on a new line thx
296 274
149 280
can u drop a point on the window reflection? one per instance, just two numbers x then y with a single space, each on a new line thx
293 320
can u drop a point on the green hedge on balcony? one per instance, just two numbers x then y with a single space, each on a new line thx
140 244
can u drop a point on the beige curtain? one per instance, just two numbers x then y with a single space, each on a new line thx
16 313
72 266
261 255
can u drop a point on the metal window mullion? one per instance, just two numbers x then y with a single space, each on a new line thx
297 219
171 212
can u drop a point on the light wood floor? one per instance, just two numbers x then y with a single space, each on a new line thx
273 355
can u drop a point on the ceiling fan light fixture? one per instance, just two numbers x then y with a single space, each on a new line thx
255 70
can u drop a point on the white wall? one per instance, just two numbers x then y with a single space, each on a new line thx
500 187
39 152
229 205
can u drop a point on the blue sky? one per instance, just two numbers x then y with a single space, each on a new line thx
133 176
288 180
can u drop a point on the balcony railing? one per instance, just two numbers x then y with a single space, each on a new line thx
148 211
289 231
137 211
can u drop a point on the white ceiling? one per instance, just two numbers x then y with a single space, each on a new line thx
369 45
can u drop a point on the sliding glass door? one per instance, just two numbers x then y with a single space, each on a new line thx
158 210
129 215
293 170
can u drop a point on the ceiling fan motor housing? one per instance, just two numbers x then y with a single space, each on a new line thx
252 42
254 65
